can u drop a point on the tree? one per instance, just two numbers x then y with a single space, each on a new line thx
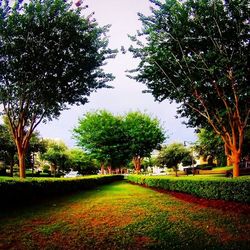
7 147
114 140
210 144
56 154
79 161
50 57
36 145
197 54
102 135
173 154
144 135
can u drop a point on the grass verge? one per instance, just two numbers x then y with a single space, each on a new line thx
123 216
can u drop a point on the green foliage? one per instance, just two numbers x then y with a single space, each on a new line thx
56 154
79 161
13 191
144 133
102 135
196 53
206 187
210 144
51 56
114 140
173 154
8 150
191 48
7 145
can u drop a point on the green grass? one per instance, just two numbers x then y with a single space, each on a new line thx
122 216
223 168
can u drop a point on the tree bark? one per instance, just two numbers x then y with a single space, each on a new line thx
137 164
176 175
21 159
236 160
110 169
102 168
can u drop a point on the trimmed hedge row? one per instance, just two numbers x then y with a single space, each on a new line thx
16 191
236 189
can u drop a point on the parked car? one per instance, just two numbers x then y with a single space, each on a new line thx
244 170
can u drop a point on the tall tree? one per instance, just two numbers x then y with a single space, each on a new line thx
197 54
51 56
56 154
114 140
173 154
102 135
144 134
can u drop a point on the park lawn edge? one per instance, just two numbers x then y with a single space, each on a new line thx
230 189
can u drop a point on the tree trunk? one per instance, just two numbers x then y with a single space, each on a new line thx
53 169
229 163
102 168
137 164
110 169
21 160
236 160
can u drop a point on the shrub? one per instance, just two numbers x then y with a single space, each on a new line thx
16 191
237 189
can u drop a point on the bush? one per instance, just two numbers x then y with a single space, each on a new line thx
237 189
16 191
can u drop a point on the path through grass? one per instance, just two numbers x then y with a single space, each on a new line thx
123 216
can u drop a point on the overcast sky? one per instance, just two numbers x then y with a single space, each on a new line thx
127 94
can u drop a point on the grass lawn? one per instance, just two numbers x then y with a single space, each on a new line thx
123 216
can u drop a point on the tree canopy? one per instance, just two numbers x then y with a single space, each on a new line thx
56 154
51 56
79 161
101 134
173 154
144 133
115 140
197 54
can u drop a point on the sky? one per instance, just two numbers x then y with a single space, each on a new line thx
126 94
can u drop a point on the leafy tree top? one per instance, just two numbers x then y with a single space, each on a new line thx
55 152
116 139
145 133
101 134
173 154
51 56
197 54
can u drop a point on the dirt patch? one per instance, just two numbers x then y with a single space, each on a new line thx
142 241
213 230
111 221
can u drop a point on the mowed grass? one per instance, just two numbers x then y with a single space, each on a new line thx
122 216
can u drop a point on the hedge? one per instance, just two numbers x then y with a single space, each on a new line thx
16 191
235 189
